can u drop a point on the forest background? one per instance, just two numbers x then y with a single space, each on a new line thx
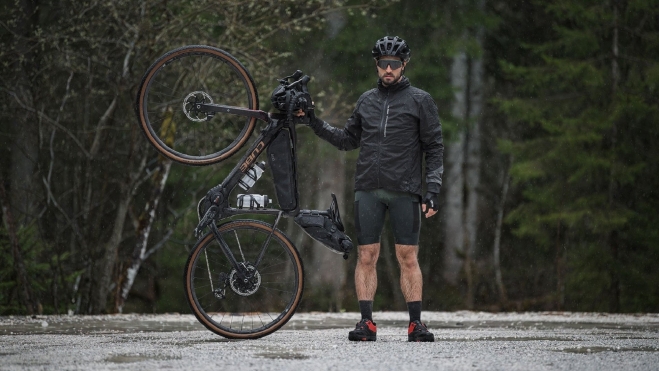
550 112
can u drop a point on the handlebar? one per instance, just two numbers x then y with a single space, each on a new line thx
303 81
289 97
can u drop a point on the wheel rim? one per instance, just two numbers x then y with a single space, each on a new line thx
257 307
163 106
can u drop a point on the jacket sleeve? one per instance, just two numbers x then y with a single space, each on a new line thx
345 139
431 141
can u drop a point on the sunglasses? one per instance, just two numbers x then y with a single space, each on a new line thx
394 64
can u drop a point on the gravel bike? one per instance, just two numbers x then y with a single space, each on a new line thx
198 105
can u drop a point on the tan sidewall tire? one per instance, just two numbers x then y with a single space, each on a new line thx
207 239
176 53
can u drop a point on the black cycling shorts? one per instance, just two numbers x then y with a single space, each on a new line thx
404 215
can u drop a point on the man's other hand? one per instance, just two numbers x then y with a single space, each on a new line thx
430 204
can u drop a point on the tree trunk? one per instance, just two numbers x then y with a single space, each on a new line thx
560 279
23 191
463 173
614 301
454 179
328 270
103 271
26 295
464 158
496 254
453 191
145 222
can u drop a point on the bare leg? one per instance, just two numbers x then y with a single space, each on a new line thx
366 277
411 282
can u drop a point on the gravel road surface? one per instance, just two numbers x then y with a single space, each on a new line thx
319 341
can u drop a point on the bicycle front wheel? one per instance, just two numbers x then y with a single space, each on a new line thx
166 104
236 307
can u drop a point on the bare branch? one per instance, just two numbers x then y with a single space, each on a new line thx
160 243
50 121
314 14
72 222
101 124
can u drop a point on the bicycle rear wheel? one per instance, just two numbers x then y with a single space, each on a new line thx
231 307
194 74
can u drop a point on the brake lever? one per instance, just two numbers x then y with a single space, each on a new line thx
303 81
296 75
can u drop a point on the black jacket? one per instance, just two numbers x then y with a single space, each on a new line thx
394 126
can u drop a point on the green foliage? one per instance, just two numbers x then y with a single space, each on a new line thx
433 30
580 123
43 271
587 127
338 57
8 281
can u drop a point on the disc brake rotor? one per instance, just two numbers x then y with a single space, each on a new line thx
242 288
190 106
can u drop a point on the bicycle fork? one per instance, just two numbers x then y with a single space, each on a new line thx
242 271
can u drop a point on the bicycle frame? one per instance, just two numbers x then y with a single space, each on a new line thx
276 123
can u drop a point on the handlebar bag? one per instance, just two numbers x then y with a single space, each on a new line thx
282 165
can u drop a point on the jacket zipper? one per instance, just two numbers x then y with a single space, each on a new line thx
386 121
385 115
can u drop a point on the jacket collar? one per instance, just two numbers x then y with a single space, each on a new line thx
403 83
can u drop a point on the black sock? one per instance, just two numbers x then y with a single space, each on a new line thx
366 307
415 310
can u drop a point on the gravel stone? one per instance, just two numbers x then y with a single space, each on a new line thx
318 341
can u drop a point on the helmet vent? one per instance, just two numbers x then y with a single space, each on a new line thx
391 46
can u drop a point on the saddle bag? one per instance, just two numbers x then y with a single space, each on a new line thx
282 165
326 228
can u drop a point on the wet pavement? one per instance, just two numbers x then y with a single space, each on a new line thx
318 341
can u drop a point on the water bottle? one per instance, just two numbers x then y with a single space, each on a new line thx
252 201
252 175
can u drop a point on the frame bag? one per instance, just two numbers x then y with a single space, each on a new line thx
282 165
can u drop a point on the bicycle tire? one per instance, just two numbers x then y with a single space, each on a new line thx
191 74
271 303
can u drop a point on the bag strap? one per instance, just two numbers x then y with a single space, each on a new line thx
334 213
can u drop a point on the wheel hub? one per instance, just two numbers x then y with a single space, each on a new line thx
245 286
191 106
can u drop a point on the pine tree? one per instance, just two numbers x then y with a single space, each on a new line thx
585 103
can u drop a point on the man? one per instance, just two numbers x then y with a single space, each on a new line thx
393 125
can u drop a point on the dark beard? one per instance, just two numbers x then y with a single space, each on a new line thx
393 82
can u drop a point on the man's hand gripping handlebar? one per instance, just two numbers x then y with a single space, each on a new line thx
293 99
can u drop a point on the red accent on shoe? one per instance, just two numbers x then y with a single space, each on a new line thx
411 328
371 326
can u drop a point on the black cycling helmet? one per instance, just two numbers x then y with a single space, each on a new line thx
392 45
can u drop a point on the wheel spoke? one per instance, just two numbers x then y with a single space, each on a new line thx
258 306
180 73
